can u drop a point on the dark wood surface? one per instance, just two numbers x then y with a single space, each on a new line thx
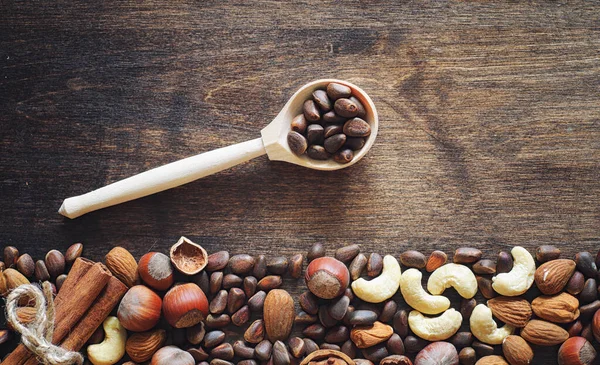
489 123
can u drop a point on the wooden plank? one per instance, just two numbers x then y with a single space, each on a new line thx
489 136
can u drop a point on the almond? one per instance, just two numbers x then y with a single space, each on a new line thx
122 264
278 315
491 360
368 336
561 308
511 310
3 284
141 346
544 333
517 351
552 276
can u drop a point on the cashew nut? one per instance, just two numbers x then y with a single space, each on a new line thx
417 297
112 349
457 276
382 287
519 279
435 328
485 328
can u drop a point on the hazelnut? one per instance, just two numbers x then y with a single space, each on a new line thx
327 277
156 271
172 355
576 351
185 305
437 353
139 309
188 257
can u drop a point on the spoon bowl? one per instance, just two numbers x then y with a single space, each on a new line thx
274 136
273 142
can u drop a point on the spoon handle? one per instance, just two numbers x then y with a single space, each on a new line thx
163 178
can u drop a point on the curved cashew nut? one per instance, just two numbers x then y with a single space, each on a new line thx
417 297
435 328
485 328
518 280
382 287
457 276
112 349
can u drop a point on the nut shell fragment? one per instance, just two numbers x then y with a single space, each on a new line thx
188 257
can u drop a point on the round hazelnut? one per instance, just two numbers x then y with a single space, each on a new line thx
169 355
327 277
188 257
139 309
156 271
576 351
185 305
437 353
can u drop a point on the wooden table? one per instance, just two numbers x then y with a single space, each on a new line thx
489 123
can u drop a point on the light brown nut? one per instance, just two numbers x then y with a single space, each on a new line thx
368 336
141 346
517 351
561 308
123 265
278 315
552 276
544 333
515 311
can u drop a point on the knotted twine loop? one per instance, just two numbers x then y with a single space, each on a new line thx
37 335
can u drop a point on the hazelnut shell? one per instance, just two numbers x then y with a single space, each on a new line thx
188 257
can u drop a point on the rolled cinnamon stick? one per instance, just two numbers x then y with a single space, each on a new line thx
93 318
70 309
80 267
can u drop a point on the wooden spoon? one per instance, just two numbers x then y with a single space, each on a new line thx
273 143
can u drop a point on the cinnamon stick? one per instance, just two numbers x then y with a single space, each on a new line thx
70 310
80 267
93 318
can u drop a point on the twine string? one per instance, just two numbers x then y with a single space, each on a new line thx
37 335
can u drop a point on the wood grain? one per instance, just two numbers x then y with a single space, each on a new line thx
489 123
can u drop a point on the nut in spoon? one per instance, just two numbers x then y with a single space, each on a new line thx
273 143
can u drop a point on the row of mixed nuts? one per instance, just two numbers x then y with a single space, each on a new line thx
362 309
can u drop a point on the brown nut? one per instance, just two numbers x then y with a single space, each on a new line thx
561 308
552 276
544 333
295 267
55 262
357 266
156 271
436 260
347 253
188 257
327 277
437 353
41 271
413 258
278 315
73 253
121 263
547 253
576 351
317 250
255 332
324 357
217 261
26 265
467 255
511 310
368 336
141 346
517 351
